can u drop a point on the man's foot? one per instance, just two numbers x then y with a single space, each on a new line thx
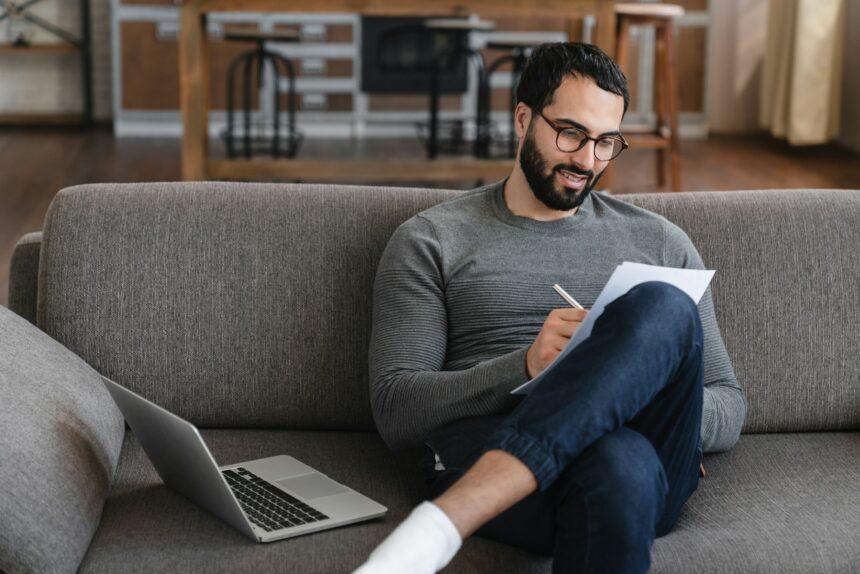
424 543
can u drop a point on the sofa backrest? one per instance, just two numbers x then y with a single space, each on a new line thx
787 297
232 305
249 305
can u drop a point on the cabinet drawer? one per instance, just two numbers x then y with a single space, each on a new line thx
150 64
322 67
321 102
318 32
411 102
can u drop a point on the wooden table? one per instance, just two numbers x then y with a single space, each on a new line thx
194 87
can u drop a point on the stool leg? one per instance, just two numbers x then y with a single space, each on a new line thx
292 104
484 147
622 43
672 89
290 138
231 128
622 47
660 97
276 102
246 102
433 136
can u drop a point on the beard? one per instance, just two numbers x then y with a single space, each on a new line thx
542 180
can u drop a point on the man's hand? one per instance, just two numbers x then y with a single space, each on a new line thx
559 327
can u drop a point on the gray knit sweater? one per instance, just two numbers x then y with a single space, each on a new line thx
462 291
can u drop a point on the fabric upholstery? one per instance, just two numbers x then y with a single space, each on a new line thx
232 305
60 439
754 512
157 288
248 305
23 275
787 297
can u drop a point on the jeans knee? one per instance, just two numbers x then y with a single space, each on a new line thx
659 304
664 296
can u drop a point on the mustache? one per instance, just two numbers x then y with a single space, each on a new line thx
573 169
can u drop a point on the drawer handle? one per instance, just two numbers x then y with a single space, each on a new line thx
168 31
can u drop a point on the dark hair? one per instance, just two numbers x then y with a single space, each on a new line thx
549 64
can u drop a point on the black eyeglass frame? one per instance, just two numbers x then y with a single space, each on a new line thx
586 138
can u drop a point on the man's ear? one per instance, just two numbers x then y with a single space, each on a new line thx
522 117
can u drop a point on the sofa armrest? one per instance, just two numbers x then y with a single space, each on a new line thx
24 274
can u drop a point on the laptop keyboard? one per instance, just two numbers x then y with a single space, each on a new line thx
266 505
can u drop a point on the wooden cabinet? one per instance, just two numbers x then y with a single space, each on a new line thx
326 61
150 65
146 66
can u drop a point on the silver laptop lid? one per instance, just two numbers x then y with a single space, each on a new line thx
180 456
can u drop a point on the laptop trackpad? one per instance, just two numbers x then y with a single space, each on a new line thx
312 485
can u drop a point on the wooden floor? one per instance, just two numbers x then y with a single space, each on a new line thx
35 164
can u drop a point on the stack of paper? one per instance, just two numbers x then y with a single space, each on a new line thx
693 282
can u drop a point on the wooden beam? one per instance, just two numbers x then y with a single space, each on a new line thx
194 90
488 8
365 171
606 23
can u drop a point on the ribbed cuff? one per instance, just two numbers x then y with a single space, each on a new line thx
528 451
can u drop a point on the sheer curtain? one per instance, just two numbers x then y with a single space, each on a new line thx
802 75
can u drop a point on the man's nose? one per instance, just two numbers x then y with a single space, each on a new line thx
583 158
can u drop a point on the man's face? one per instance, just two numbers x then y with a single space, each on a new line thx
560 180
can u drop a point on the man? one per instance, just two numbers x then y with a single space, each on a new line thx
598 460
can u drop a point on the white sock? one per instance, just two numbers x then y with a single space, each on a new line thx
423 543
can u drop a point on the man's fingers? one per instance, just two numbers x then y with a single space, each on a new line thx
567 329
571 314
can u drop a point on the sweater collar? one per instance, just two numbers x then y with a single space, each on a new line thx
500 208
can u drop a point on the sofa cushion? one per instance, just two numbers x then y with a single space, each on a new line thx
60 439
774 503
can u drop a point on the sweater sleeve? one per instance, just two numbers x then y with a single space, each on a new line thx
724 407
410 393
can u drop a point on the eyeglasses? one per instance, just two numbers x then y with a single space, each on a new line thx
569 139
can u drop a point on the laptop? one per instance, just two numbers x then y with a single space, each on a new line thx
266 499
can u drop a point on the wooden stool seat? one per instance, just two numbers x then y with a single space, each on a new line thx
460 24
664 137
285 36
632 10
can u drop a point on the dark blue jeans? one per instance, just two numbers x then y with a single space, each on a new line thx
612 435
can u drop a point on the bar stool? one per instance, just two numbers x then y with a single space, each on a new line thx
258 58
664 138
444 60
518 55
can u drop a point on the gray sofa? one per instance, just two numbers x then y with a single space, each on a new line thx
246 308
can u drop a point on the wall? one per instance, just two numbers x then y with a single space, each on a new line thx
736 53
851 79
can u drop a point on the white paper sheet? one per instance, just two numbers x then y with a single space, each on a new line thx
693 282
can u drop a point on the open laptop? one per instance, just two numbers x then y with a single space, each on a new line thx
267 499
